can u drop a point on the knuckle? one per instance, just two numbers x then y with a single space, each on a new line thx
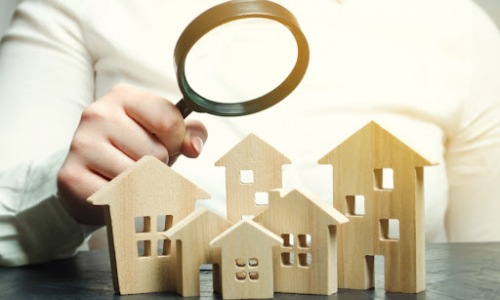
93 113
170 125
79 143
120 89
161 153
67 177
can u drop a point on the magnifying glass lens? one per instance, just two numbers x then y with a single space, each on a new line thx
241 60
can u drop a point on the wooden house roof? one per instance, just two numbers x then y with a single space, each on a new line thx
151 181
245 233
298 205
379 144
251 151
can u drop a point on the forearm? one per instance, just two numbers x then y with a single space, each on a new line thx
33 225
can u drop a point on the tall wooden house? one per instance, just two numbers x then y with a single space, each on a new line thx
378 185
253 168
306 260
152 194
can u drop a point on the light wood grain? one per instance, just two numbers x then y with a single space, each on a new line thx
356 171
247 261
193 235
308 226
252 153
149 189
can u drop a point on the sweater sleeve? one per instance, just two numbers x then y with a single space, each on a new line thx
473 146
46 80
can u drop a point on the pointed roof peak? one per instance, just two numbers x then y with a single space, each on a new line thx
279 203
250 147
145 173
249 229
374 134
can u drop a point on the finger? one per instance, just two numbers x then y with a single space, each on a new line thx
159 117
133 140
107 161
76 184
195 138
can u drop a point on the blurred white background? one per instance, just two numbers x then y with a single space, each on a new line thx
7 8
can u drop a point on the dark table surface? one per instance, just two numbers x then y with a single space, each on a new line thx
454 271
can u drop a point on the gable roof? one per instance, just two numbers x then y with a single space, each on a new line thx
377 142
299 205
251 232
148 176
200 220
251 151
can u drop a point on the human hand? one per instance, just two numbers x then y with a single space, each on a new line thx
114 132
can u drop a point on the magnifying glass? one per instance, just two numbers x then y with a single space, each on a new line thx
222 14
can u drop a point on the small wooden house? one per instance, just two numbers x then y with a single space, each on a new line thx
193 235
378 184
253 168
306 261
247 261
152 194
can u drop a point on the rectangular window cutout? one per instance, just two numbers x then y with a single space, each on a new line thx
305 259
253 275
287 259
261 198
142 224
304 240
144 248
355 205
164 247
253 262
241 276
389 229
247 177
287 240
164 223
384 179
240 262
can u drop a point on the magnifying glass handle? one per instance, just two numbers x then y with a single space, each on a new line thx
183 108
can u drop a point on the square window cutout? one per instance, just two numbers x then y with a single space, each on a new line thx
287 259
164 223
144 248
305 259
288 240
355 205
142 224
389 229
383 178
164 247
261 198
247 177
304 240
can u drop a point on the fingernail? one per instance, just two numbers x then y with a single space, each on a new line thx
197 143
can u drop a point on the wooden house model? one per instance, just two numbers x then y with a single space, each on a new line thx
247 261
253 168
193 235
143 260
378 184
306 260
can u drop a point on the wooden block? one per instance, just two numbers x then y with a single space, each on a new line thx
252 166
193 235
306 261
150 192
247 261
374 168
